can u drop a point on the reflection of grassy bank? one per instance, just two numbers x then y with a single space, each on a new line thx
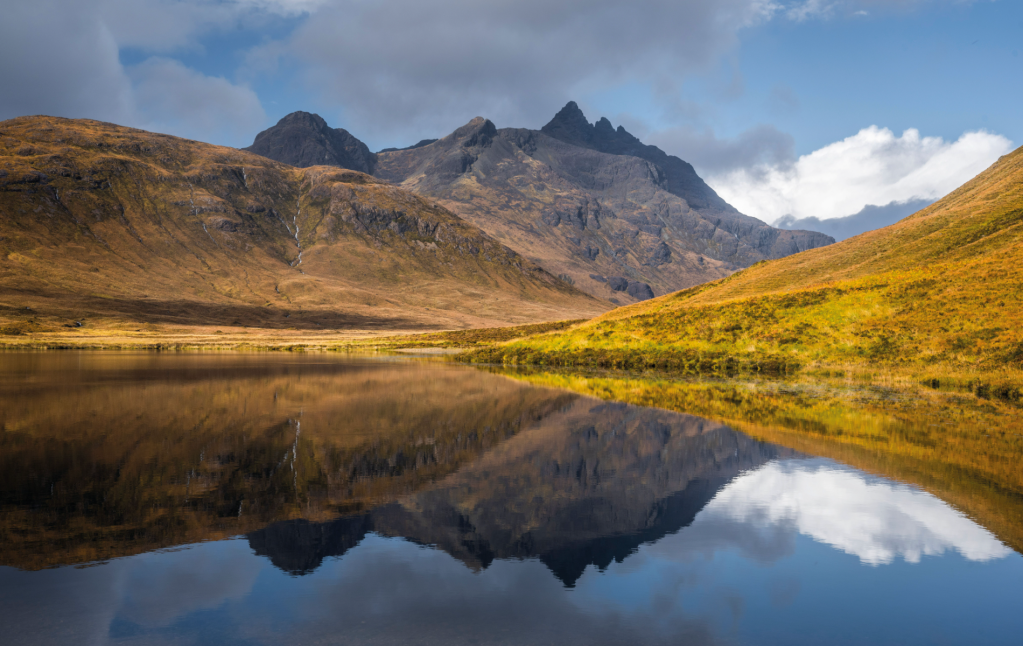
964 449
142 454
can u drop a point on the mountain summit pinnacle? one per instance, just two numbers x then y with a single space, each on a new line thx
570 125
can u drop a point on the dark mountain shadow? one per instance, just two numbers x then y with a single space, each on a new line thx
187 312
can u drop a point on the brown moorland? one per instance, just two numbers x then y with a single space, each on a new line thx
131 232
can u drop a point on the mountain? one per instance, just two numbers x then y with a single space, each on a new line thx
679 178
621 220
123 227
943 287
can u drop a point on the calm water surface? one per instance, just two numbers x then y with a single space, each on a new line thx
271 499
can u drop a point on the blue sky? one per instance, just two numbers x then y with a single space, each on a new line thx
773 101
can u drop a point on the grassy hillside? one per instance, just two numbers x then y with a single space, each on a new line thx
940 290
119 228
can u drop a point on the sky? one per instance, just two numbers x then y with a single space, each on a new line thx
798 108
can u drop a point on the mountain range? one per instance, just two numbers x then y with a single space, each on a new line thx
592 204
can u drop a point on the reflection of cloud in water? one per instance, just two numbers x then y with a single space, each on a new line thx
168 587
873 519
150 591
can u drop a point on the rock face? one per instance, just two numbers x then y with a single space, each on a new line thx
302 139
589 201
679 178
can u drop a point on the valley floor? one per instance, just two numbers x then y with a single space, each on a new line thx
486 346
17 334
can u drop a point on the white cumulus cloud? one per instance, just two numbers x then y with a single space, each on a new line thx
874 166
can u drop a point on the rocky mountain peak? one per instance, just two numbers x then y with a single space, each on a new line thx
304 118
604 128
478 132
570 125
304 139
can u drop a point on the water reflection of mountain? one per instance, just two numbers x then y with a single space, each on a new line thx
585 486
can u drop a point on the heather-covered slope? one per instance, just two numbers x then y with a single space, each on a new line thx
943 286
100 222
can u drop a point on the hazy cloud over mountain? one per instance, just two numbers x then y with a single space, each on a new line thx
869 218
871 167
763 146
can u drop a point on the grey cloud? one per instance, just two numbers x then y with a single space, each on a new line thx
420 69
63 59
750 150
57 59
869 218
390 591
163 587
161 25
172 97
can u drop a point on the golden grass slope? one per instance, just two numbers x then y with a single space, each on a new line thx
121 227
943 287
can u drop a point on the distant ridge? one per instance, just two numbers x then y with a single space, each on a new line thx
870 217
